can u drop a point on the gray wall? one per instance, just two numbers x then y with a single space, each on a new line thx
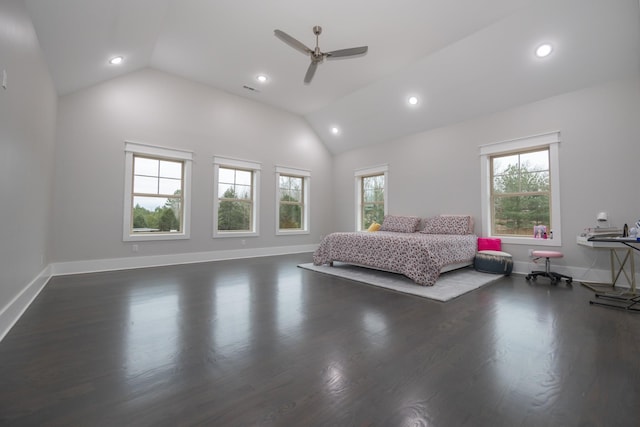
27 131
439 171
152 107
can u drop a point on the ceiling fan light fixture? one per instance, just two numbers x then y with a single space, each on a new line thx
335 130
412 100
116 60
261 78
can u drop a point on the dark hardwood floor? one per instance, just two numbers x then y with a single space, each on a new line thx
262 342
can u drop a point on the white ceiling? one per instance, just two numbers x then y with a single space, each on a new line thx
462 58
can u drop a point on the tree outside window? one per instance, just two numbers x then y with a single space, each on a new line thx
291 209
235 205
157 195
372 203
520 192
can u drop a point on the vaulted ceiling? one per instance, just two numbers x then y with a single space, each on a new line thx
460 58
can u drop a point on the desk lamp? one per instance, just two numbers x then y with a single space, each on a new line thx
602 218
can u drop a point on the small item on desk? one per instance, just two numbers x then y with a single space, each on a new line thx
625 231
602 232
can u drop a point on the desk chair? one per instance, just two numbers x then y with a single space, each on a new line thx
547 255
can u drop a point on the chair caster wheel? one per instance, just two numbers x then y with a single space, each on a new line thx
527 277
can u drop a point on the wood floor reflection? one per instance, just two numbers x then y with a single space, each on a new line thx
262 342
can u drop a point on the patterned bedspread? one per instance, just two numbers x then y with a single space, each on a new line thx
418 256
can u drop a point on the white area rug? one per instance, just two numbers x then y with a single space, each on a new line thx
449 285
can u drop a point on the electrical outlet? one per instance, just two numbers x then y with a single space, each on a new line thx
243 242
134 248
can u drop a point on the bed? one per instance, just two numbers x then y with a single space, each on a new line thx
444 242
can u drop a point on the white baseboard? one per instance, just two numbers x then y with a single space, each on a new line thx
11 312
93 266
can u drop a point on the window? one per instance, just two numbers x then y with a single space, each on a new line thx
292 201
235 210
157 191
520 192
521 189
371 196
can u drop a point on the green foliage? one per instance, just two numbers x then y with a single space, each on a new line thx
168 220
233 215
139 221
290 213
174 204
372 200
521 200
519 179
372 213
162 219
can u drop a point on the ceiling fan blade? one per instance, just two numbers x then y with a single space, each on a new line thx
341 53
310 72
292 42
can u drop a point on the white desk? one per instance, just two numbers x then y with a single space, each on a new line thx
615 245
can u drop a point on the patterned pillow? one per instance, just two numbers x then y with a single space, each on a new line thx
400 224
449 224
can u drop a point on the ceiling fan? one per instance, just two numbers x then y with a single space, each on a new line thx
317 56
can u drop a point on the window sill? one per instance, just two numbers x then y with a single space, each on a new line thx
225 234
154 237
291 232
528 241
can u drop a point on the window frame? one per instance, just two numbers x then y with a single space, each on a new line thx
365 173
133 149
246 165
549 140
306 181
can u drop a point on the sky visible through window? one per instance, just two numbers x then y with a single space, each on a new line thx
534 161
155 176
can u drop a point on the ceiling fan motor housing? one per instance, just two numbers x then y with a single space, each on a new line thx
317 55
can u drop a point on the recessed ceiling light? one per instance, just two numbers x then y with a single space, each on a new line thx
335 130
413 100
262 78
543 50
116 60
